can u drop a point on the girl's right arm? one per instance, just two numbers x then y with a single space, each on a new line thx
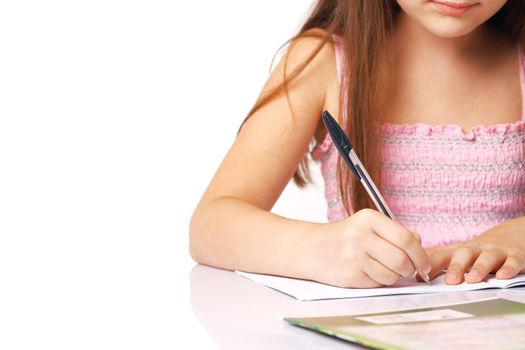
232 226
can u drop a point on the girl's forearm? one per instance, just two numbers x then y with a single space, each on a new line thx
231 234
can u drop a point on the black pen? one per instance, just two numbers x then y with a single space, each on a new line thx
343 145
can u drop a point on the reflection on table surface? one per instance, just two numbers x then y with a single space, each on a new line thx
242 314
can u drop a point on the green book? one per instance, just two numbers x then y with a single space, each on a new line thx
489 324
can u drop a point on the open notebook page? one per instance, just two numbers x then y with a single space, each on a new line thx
309 290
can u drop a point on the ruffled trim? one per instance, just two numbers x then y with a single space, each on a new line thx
423 129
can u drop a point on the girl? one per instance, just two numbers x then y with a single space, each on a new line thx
430 94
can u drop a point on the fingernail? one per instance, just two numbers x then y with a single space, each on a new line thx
452 275
473 273
503 273
427 268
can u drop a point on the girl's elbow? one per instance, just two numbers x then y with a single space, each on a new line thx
194 237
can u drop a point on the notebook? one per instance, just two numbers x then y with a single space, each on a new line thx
488 324
309 290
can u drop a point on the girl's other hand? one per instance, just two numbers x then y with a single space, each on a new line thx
367 250
500 250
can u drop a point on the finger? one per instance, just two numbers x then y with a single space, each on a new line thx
439 260
461 261
389 256
448 247
379 273
363 281
403 239
416 236
513 265
487 261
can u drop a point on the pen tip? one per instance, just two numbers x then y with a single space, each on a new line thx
426 278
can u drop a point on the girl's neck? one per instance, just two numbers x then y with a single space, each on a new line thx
411 38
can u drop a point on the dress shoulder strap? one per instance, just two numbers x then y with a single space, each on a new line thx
521 60
339 54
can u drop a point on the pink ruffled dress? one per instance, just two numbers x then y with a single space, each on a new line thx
445 185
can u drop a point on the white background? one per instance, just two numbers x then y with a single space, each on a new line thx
101 166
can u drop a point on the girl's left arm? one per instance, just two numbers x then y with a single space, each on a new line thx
499 250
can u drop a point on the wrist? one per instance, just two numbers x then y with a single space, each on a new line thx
309 259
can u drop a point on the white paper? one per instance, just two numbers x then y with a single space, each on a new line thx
514 282
308 290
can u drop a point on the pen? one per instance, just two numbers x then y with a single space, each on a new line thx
343 145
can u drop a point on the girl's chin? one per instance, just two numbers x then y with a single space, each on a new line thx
450 30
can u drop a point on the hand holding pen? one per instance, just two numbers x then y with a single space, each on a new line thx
400 243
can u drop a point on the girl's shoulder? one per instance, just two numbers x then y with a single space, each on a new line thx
312 50
307 69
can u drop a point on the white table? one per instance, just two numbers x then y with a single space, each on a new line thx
241 314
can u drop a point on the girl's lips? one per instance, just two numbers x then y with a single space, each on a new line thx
453 8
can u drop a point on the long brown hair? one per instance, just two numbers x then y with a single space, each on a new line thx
365 27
